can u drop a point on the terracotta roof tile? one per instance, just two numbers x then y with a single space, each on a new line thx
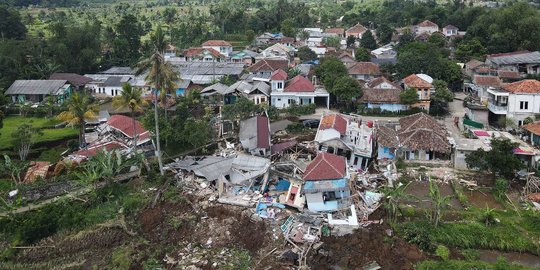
387 137
93 150
379 80
326 166
533 127
335 31
358 29
416 82
524 86
278 75
37 169
334 121
216 43
427 23
200 51
364 68
508 74
483 80
381 96
299 84
269 65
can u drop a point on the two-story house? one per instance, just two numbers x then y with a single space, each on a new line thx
349 137
222 46
326 184
426 26
480 85
515 101
450 31
334 32
423 85
265 67
298 90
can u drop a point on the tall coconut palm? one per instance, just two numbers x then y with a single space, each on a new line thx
80 106
160 76
130 98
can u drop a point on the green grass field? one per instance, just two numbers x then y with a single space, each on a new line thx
11 123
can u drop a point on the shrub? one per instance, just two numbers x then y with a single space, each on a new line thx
443 252
295 109
296 128
363 110
501 186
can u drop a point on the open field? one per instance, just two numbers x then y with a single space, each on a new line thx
49 132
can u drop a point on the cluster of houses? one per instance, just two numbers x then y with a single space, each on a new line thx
260 74
499 89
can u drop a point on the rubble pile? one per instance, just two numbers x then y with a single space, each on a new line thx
194 257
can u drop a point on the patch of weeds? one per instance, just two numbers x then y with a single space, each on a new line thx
241 260
400 164
121 258
458 192
467 265
418 233
176 222
470 254
442 252
501 186
152 264
174 196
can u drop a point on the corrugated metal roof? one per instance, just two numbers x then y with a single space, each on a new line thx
119 71
35 87
518 58
208 68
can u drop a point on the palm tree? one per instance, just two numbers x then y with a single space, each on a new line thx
80 106
130 98
160 76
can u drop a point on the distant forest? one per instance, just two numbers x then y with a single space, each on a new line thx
44 3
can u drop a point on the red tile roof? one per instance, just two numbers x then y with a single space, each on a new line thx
358 29
533 127
280 147
378 81
334 121
482 80
124 124
508 74
37 169
200 51
335 31
289 40
364 68
263 132
427 23
94 149
416 82
524 86
451 27
216 43
299 84
326 166
278 75
269 65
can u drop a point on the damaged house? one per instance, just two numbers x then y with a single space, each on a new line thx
238 179
326 183
419 137
347 137
255 135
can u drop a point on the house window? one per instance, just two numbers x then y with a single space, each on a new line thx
520 123
279 99
523 105
279 85
263 100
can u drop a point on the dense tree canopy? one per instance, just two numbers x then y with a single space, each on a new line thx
500 160
11 26
306 54
329 70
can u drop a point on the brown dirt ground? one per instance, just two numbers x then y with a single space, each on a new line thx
364 246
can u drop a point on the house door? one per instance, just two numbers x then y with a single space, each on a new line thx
292 195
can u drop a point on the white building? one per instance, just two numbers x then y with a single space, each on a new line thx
103 85
298 90
221 46
426 26
515 101
278 51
